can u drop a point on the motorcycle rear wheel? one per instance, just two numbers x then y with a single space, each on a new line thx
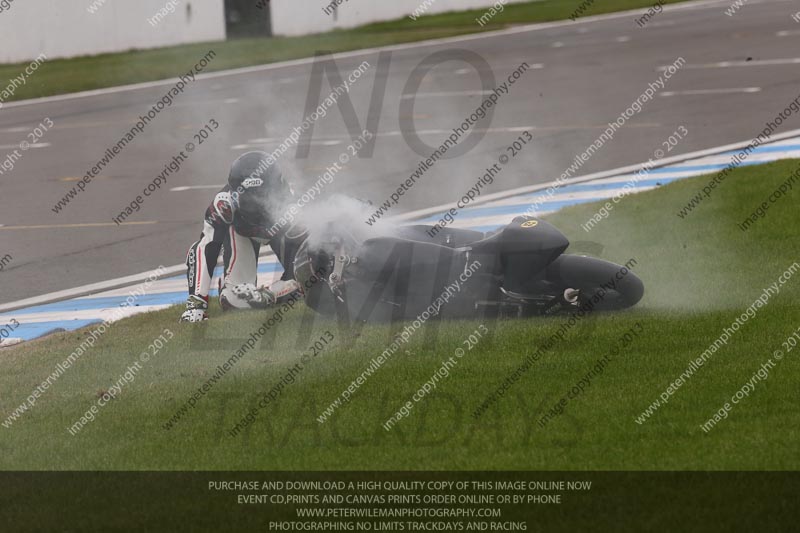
594 278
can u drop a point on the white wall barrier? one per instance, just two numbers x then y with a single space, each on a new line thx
67 28
300 17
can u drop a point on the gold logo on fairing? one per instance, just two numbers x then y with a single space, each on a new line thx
530 224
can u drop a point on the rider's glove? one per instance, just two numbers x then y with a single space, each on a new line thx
223 208
256 297
196 309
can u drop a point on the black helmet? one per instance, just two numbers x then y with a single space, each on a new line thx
256 172
258 190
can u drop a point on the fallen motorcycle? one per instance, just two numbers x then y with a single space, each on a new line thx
519 270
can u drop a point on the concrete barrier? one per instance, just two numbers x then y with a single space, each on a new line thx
301 17
67 28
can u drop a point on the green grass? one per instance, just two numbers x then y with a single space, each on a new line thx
107 70
700 274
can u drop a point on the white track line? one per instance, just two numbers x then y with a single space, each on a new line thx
196 187
711 91
10 341
322 139
16 146
84 314
752 63
445 93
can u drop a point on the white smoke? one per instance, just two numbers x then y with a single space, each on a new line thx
340 217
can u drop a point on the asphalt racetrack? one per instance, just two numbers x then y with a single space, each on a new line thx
739 72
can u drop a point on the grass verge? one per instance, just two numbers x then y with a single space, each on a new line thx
699 276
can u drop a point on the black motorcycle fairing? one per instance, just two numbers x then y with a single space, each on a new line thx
398 278
525 247
390 278
523 235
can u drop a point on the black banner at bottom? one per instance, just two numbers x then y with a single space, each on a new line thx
399 501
